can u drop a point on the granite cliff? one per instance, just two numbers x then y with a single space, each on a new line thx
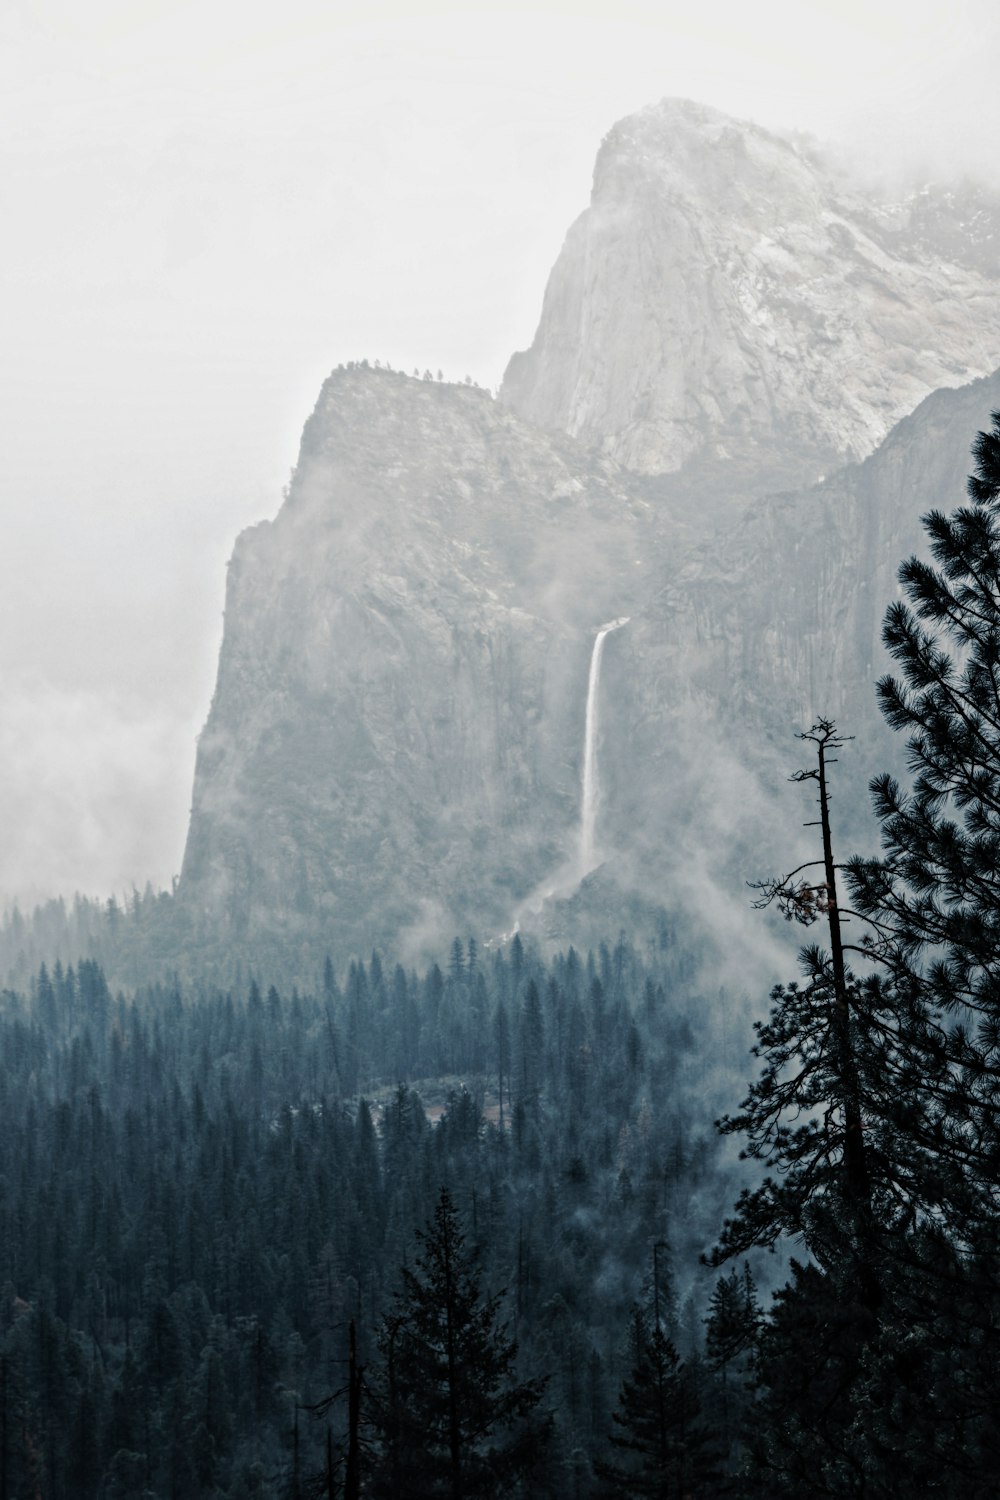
729 293
395 746
756 634
393 742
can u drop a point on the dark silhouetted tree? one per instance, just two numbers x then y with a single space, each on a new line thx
804 1117
662 1449
454 1419
733 1321
935 892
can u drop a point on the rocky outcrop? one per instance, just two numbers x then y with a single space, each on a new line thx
394 750
728 293
396 731
395 746
772 625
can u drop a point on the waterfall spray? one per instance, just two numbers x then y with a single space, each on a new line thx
591 787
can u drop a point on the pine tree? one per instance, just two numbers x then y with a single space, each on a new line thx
663 1450
733 1320
880 1098
453 1418
732 1333
935 892
808 1117
934 897
501 1028
824 1118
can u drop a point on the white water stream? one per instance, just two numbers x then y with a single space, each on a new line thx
591 789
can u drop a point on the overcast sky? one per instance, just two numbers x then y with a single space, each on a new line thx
208 206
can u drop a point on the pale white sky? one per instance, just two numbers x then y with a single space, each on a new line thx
207 206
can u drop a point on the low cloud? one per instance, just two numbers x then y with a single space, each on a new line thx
94 792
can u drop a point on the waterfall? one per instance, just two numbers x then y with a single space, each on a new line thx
591 784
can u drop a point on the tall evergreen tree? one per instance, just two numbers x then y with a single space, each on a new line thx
935 892
454 1419
733 1320
806 1116
880 1360
934 896
662 1449
825 1119
732 1333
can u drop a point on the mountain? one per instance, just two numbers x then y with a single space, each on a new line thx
394 739
396 744
731 293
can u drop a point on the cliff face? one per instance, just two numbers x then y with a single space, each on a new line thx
775 623
396 731
395 746
728 293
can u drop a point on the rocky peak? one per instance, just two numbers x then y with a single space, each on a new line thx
395 737
398 736
729 293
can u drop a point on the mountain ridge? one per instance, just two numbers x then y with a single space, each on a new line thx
726 291
395 746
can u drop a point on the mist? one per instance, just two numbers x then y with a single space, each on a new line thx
208 208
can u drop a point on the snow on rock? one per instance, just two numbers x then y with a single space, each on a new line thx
729 291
